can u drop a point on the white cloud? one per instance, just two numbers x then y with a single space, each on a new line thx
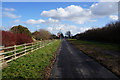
104 9
109 0
16 21
10 15
5 28
113 17
85 5
83 29
66 27
71 13
80 15
14 25
41 21
63 28
93 20
2 27
50 20
32 21
38 26
9 9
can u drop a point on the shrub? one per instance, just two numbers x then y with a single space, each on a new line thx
20 29
10 39
22 38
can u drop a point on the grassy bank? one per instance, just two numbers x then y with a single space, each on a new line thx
31 65
102 52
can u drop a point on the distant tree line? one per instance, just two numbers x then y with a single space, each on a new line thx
109 33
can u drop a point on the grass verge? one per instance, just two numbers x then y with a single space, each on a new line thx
99 52
31 65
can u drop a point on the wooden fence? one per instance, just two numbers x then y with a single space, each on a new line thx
8 54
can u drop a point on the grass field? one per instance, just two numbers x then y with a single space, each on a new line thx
106 46
31 65
101 52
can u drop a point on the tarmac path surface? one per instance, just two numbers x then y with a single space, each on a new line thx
71 63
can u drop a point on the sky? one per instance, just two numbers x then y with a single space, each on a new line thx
76 17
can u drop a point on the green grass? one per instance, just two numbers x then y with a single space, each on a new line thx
31 65
107 46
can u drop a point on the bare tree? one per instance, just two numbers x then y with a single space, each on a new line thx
42 34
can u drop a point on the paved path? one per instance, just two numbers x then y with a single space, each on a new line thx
72 63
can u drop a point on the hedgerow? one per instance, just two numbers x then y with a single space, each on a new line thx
109 33
10 39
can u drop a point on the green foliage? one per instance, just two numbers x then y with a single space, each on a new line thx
108 46
20 29
31 65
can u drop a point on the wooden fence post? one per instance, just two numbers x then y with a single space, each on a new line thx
15 51
2 56
32 46
35 45
25 48
39 44
2 59
42 43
